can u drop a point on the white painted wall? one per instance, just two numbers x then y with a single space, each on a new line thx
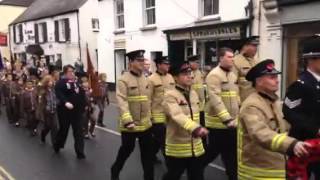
169 14
87 35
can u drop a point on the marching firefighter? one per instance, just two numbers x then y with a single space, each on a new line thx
222 113
183 149
19 89
243 63
29 104
102 98
198 83
159 82
302 102
262 131
135 116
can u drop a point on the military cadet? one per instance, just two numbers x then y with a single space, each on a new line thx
102 98
9 93
71 98
222 111
302 102
243 63
198 83
48 108
159 83
135 116
262 131
183 149
29 104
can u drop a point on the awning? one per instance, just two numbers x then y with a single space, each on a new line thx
35 49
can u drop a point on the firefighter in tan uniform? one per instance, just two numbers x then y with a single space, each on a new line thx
135 116
198 83
222 111
262 131
243 63
184 149
159 82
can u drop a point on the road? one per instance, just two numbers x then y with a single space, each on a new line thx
24 158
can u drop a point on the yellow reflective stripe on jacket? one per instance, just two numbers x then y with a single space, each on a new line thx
126 116
159 117
277 141
197 86
196 117
228 94
214 122
223 114
189 125
137 98
251 173
242 79
185 150
137 128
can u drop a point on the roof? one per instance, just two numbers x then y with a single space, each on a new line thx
48 8
204 24
23 3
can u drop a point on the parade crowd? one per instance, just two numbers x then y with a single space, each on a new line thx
187 116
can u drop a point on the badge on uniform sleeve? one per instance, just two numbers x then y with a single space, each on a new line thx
292 104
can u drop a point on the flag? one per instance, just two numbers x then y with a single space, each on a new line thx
92 75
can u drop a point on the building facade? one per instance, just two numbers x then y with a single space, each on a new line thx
160 27
62 31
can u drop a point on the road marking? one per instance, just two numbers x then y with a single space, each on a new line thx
119 134
6 173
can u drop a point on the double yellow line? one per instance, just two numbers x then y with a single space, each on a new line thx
5 175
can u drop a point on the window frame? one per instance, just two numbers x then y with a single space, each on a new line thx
117 15
145 13
95 24
202 9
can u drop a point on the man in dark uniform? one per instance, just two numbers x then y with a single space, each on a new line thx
71 98
302 103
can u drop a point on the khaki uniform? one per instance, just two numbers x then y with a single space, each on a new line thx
223 98
242 67
134 103
158 85
198 86
182 121
262 139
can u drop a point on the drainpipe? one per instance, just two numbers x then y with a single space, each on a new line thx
79 39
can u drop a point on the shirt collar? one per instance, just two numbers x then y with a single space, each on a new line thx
315 75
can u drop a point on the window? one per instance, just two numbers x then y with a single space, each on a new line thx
18 33
41 34
119 9
62 30
209 7
149 12
95 24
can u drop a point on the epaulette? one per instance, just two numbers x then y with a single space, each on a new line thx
300 81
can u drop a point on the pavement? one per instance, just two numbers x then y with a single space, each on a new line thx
24 158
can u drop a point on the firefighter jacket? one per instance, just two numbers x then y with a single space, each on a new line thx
133 100
159 84
262 139
199 87
242 66
223 98
182 110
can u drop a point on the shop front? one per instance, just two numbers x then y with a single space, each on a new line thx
204 39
